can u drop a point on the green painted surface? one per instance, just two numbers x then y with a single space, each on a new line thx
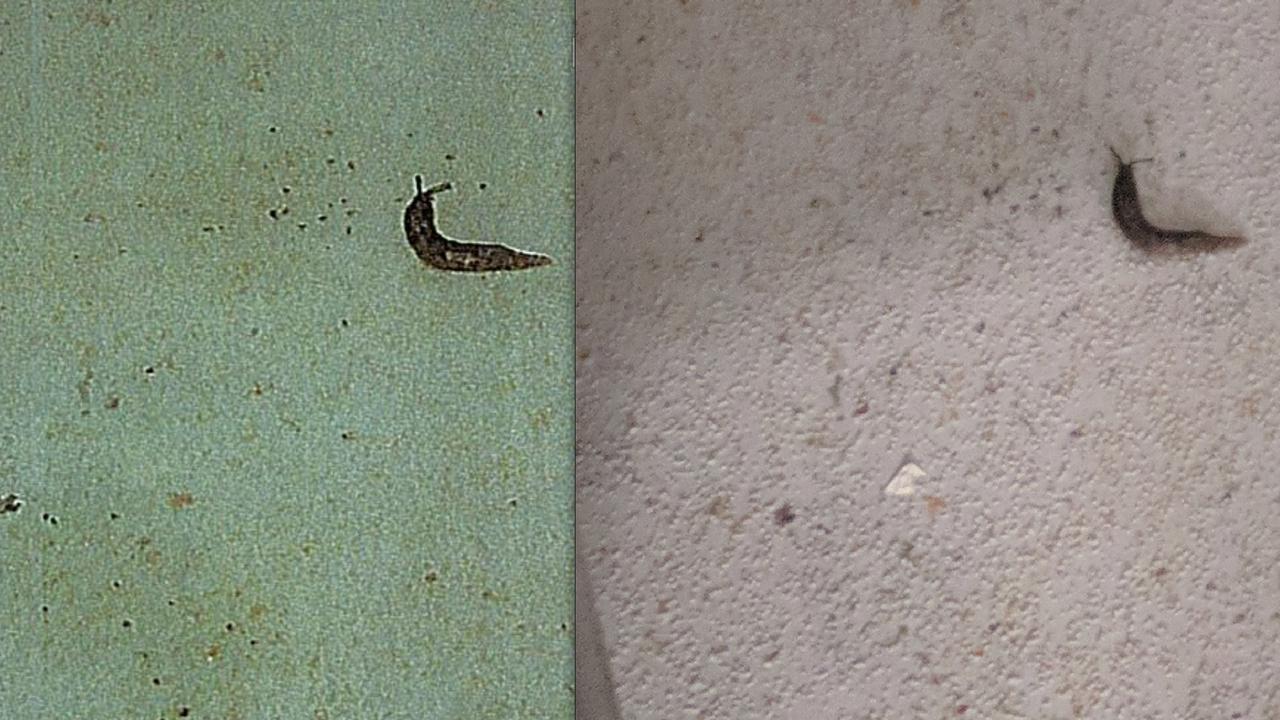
275 471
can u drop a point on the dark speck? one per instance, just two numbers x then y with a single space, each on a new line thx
483 186
449 157
10 503
184 711
783 515
127 623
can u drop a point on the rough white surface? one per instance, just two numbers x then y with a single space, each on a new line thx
818 238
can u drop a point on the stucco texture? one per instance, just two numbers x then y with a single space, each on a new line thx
270 465
823 241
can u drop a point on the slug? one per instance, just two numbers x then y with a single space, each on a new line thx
442 253
1127 209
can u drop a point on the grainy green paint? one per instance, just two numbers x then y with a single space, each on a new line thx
271 471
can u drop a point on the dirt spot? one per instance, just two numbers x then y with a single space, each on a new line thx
182 500
934 505
10 504
784 515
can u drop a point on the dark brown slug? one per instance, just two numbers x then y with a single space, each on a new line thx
441 253
1127 209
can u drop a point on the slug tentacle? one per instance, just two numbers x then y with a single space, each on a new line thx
1127 210
442 253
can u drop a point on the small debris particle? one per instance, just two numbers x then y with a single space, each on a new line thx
449 157
483 185
862 409
230 627
149 370
539 111
184 711
127 624
181 500
784 515
275 215
112 403
286 189
431 576
934 504
904 482
351 164
51 519
10 503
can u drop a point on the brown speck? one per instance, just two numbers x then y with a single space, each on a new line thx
961 709
112 403
431 576
862 409
257 611
783 515
179 501
934 504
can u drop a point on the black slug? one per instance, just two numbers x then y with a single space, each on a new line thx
438 251
1127 209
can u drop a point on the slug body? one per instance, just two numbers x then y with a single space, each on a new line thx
1127 209
438 251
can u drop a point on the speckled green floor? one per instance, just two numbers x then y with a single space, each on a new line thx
271 466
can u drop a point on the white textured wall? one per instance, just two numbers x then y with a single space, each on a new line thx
819 239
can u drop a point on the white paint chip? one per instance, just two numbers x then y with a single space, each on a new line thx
904 482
